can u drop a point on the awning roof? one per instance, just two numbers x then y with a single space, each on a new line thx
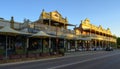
8 31
40 34
85 38
69 25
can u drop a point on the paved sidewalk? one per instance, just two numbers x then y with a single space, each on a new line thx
67 54
82 53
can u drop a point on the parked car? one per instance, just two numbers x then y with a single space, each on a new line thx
109 48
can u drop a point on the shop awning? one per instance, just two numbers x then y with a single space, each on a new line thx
9 31
69 25
40 34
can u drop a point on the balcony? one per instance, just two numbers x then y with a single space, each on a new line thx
99 37
52 29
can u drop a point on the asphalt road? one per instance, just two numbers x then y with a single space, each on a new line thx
75 60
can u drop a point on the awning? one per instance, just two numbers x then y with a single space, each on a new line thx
40 34
84 38
9 31
68 36
69 25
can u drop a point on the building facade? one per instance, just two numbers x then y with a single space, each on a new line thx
85 37
96 36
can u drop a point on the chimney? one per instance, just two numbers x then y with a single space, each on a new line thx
12 22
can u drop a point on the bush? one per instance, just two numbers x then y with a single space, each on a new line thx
118 46
20 51
62 51
2 51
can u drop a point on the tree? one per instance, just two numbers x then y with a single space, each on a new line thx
118 42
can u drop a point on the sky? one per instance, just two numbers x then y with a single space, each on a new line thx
100 12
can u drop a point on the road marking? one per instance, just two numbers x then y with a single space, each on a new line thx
65 65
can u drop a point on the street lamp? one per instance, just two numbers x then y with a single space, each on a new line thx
56 24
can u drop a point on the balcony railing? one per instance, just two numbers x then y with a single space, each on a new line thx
101 37
52 29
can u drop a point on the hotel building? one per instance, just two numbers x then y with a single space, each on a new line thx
59 38
96 36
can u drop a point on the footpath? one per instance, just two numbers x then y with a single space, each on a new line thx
67 54
82 53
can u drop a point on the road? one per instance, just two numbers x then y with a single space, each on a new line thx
78 60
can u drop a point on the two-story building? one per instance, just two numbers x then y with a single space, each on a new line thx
85 37
96 36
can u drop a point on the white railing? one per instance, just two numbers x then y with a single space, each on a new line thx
101 37
49 29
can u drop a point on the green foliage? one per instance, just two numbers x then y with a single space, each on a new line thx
51 50
62 51
2 51
20 51
45 50
118 46
35 51
118 41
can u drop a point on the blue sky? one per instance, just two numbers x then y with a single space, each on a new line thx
100 12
